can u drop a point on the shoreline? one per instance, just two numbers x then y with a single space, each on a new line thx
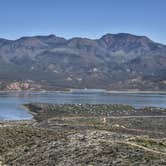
15 123
110 110
137 92
88 90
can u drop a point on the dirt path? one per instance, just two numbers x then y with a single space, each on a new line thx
144 148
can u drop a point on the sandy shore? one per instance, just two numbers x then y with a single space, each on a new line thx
87 90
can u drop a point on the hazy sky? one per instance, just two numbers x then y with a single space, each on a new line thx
86 18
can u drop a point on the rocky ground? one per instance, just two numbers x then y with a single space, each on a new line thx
85 135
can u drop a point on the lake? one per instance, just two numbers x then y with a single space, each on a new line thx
11 109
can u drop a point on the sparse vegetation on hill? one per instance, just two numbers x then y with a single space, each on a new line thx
76 135
115 61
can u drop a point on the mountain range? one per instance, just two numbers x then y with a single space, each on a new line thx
114 61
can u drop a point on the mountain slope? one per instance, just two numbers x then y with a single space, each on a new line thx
115 61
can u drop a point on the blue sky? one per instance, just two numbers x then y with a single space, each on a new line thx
85 18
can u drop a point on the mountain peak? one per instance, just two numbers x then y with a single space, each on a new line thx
124 40
124 36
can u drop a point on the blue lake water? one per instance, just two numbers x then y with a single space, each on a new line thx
10 102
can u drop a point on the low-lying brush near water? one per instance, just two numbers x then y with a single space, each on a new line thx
84 135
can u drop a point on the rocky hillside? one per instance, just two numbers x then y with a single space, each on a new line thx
115 61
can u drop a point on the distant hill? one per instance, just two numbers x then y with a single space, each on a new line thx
115 61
